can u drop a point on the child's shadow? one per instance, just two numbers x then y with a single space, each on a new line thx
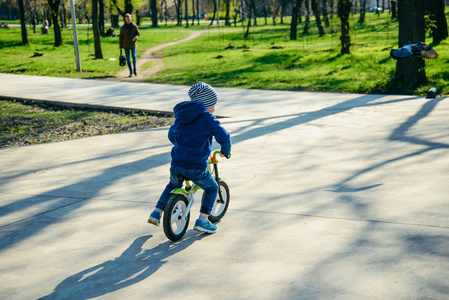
134 265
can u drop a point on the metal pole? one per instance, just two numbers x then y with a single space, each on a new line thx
218 14
75 37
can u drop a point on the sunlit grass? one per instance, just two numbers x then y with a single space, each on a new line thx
268 59
60 61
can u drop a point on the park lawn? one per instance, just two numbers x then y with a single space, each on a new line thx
267 59
310 63
60 61
26 123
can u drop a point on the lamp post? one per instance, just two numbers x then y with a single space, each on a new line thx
218 14
75 37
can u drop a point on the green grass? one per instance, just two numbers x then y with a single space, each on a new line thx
310 63
267 59
60 61
26 123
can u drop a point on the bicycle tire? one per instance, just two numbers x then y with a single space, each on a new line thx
220 209
174 223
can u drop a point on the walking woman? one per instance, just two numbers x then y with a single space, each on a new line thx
129 33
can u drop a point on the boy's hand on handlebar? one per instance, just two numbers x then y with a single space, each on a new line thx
227 156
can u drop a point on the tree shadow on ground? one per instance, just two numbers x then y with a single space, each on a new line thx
70 197
425 243
134 265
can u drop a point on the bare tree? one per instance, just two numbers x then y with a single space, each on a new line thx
96 30
153 11
411 73
362 11
215 11
274 10
294 23
344 9
317 14
307 22
101 16
187 12
228 9
128 9
284 4
198 12
54 8
251 6
325 14
436 13
22 23
393 8
193 13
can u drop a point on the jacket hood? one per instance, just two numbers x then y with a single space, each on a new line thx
186 112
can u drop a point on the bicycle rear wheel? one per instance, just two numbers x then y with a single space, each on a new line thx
175 221
220 206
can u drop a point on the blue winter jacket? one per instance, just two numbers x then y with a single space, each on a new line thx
191 134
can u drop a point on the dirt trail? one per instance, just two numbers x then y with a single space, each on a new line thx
154 55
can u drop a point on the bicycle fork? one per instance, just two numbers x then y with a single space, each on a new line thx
217 179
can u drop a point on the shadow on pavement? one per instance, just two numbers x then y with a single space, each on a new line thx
132 266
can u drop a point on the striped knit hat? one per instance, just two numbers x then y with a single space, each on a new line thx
204 93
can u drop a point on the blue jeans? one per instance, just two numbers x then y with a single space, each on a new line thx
128 59
200 177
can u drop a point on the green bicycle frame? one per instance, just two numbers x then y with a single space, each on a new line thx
190 189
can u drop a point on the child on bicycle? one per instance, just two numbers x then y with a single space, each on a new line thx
191 134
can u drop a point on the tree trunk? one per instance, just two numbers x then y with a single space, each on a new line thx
178 4
138 17
198 12
362 11
63 16
129 7
344 9
436 13
228 9
274 13
187 12
22 23
101 16
332 8
265 12
283 6
153 9
293 26
253 5
115 21
307 22
215 11
411 73
317 14
325 16
96 30
248 27
54 6
394 14
193 13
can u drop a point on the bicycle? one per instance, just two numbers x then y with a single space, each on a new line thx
177 210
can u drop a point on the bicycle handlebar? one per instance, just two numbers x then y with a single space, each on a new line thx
214 156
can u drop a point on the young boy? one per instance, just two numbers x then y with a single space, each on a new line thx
191 134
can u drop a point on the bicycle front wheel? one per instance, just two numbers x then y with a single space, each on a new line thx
175 220
220 205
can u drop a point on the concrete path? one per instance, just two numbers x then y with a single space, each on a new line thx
333 196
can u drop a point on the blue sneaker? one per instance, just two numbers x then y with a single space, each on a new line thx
205 227
155 218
